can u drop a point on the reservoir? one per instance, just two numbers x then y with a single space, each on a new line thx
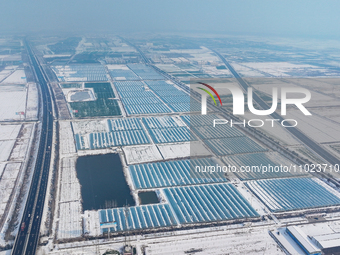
148 197
102 181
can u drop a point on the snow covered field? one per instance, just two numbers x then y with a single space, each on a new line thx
14 148
90 126
318 128
6 72
215 241
69 220
279 68
183 150
277 132
12 101
69 199
141 154
7 183
69 204
17 77
318 95
67 145
18 102
32 102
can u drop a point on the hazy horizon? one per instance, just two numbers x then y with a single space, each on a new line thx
271 18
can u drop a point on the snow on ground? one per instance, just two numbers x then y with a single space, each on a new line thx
5 149
141 154
266 86
331 113
14 151
21 145
12 100
120 67
69 185
183 150
214 240
32 102
246 71
252 199
279 68
329 86
19 150
248 241
6 72
18 77
69 205
2 167
319 129
66 140
169 67
7 183
91 126
92 223
278 132
9 132
70 223
212 70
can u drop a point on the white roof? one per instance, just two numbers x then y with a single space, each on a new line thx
303 239
328 240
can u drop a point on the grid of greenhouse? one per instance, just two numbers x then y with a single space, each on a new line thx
261 159
124 124
192 106
160 85
171 93
171 135
120 74
141 100
137 217
130 86
117 138
137 100
136 94
146 108
234 145
80 141
163 122
145 72
75 72
293 194
177 100
173 173
204 203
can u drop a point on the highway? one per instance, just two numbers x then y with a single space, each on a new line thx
28 234
294 131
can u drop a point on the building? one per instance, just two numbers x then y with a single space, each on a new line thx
329 243
303 241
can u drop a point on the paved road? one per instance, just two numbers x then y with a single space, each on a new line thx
294 131
27 239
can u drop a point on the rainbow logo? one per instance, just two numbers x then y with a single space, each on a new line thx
209 93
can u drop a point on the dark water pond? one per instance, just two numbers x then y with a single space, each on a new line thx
148 197
102 181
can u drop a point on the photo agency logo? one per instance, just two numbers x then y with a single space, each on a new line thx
289 96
